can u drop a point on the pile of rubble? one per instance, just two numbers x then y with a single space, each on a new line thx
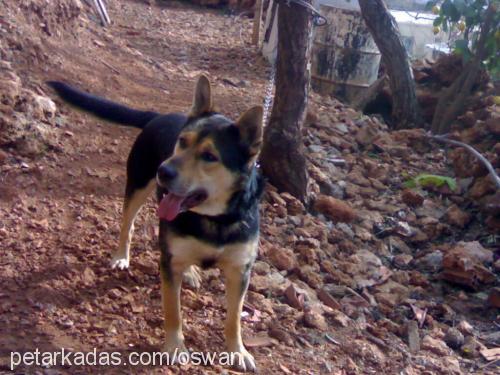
370 250
27 116
479 127
27 119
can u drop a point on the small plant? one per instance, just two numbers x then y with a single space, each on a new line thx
430 180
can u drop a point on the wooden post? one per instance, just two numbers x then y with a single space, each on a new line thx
257 17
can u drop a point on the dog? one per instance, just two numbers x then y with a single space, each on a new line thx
204 168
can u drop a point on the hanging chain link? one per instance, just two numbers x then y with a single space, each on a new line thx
269 94
318 20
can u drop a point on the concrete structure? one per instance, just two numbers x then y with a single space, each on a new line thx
344 57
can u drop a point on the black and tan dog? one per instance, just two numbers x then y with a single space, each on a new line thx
204 168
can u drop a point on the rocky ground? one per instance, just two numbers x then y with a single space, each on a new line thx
373 277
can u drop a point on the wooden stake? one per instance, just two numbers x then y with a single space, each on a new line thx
257 17
102 12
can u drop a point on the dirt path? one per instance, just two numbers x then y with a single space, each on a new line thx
60 213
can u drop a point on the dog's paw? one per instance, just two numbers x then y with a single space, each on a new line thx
177 352
193 277
120 263
244 361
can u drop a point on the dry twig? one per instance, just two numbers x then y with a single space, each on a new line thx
473 151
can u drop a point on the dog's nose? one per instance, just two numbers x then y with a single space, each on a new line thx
166 172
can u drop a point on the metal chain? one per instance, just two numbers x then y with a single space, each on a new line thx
269 94
318 20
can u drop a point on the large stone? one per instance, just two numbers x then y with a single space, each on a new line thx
391 293
473 250
3 157
435 346
314 319
413 336
464 264
465 327
366 134
273 283
282 335
283 259
309 275
494 297
412 198
490 204
335 209
471 347
356 177
45 105
432 262
454 338
457 217
293 205
482 186
10 84
402 261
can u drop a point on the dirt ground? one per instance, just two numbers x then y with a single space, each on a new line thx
60 210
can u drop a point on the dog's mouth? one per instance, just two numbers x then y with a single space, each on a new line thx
172 204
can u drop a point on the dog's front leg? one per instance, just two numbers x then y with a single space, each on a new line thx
135 198
237 279
171 280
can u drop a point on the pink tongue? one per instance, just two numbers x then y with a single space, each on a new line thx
170 206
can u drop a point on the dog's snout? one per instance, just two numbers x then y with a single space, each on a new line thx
167 172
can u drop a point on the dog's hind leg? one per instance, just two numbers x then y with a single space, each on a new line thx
132 203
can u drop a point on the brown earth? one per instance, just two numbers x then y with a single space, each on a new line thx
325 297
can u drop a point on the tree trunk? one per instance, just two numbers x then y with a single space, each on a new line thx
453 100
385 32
282 157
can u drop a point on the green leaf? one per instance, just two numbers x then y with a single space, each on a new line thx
461 45
410 184
430 4
438 21
462 48
425 180
461 6
450 11
469 12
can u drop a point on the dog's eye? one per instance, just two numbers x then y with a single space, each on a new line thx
182 143
208 156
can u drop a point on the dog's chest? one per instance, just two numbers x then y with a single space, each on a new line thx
189 250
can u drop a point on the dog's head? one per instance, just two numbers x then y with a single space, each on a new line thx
212 157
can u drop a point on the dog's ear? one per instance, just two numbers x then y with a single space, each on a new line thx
202 100
250 126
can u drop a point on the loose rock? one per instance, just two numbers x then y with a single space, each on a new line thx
454 338
334 209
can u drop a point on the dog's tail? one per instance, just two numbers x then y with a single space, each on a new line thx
101 107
